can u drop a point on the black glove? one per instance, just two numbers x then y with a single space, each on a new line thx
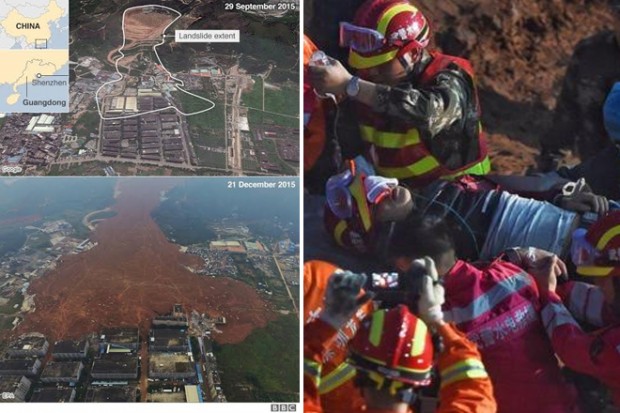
578 197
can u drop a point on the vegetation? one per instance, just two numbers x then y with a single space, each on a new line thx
265 362
87 124
8 308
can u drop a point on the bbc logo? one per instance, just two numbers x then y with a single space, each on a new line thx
283 407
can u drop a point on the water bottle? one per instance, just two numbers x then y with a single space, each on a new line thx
319 58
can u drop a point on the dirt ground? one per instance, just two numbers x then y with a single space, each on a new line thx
134 274
143 27
519 49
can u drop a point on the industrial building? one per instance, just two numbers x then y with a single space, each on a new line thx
33 345
170 321
41 124
120 339
20 367
70 350
230 246
254 247
115 367
168 340
192 394
111 394
53 395
14 388
62 372
172 366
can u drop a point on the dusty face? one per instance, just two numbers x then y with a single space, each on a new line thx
390 73
396 207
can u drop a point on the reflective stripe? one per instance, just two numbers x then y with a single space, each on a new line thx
487 301
338 231
336 378
466 369
427 164
390 140
419 339
594 307
481 168
555 315
607 236
358 61
387 17
376 328
586 303
419 168
359 194
594 271
312 369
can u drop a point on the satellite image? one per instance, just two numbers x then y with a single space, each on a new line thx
168 87
149 289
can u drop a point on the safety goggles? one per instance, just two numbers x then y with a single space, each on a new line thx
339 192
360 39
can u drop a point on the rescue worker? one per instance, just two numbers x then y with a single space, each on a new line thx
393 352
591 72
497 305
602 171
336 389
418 109
319 151
596 353
361 208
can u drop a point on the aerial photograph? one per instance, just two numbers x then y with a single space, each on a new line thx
165 87
141 289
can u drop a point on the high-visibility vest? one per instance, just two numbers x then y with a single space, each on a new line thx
397 148
334 379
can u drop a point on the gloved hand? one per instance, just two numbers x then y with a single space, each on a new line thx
578 197
343 297
432 294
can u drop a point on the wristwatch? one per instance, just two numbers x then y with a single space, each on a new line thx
353 87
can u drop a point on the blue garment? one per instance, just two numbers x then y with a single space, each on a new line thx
611 113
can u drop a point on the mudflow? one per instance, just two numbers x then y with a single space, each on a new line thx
133 274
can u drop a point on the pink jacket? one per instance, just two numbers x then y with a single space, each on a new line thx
596 354
498 306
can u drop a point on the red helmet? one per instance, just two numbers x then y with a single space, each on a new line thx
351 208
599 255
383 30
393 344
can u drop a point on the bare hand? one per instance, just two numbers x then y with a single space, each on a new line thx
332 78
546 272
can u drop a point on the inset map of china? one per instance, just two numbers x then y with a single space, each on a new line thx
34 46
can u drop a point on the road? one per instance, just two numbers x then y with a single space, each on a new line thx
286 285
144 369
100 158
235 153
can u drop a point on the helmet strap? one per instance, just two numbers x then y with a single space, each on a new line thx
406 58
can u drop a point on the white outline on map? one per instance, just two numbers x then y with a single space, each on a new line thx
120 50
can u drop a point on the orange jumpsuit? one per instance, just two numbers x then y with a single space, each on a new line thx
314 115
465 385
338 394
